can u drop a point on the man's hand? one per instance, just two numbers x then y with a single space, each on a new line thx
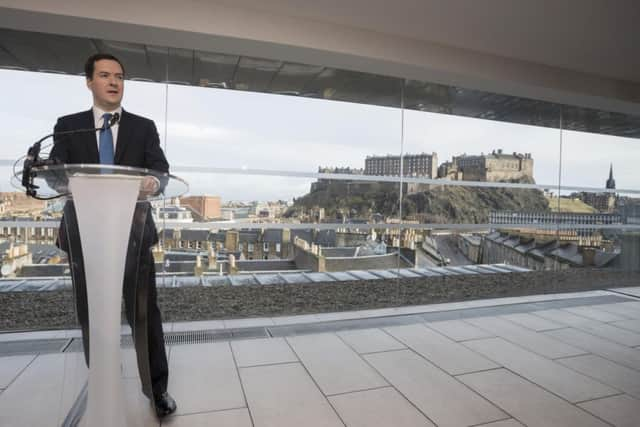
149 186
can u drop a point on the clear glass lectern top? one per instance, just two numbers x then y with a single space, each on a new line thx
53 180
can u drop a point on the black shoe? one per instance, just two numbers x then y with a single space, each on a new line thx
164 405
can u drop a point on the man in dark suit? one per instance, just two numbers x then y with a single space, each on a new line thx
132 141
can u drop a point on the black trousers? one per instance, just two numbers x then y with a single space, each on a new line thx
156 355
139 292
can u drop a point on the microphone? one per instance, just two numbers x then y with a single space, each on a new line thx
114 119
32 158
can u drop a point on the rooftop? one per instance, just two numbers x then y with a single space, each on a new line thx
265 278
547 360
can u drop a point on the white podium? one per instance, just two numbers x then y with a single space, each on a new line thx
105 199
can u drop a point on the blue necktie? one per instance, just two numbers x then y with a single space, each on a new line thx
105 147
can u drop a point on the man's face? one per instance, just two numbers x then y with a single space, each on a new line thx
107 84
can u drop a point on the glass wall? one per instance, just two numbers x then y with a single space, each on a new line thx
302 174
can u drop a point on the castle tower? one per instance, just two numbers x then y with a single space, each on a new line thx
611 183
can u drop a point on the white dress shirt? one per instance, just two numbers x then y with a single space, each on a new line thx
98 120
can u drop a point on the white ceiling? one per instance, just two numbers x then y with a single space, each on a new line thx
600 37
575 52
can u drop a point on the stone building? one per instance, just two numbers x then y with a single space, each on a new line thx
204 208
45 234
196 239
580 224
471 246
415 165
603 202
323 183
317 258
544 254
497 166
172 213
19 204
262 244
629 209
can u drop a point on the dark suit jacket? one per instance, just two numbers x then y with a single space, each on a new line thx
138 145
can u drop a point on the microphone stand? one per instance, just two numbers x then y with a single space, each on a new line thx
33 159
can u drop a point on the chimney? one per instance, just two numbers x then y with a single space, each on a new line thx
588 256
232 264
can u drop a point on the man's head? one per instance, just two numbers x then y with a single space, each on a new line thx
105 80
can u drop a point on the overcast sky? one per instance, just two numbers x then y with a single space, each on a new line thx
225 128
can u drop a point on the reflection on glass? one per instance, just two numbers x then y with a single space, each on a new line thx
29 227
600 161
469 149
303 174
231 129
284 252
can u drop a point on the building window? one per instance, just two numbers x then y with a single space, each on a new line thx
265 246
250 247
278 247
240 247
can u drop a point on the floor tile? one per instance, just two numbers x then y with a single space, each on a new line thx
632 307
621 411
203 377
138 410
535 323
632 304
341 315
263 351
248 323
229 418
592 344
449 355
622 309
630 325
431 390
129 363
286 396
549 375
381 407
35 398
73 333
603 330
198 326
292 320
334 366
527 402
11 366
594 313
381 312
631 290
459 330
526 338
610 373
36 335
504 423
370 340
138 407
75 377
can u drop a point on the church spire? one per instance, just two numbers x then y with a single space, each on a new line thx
611 183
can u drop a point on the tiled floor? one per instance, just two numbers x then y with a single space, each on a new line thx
574 366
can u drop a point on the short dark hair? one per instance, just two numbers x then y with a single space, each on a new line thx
90 64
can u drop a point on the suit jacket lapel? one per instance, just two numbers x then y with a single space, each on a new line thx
124 132
89 138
